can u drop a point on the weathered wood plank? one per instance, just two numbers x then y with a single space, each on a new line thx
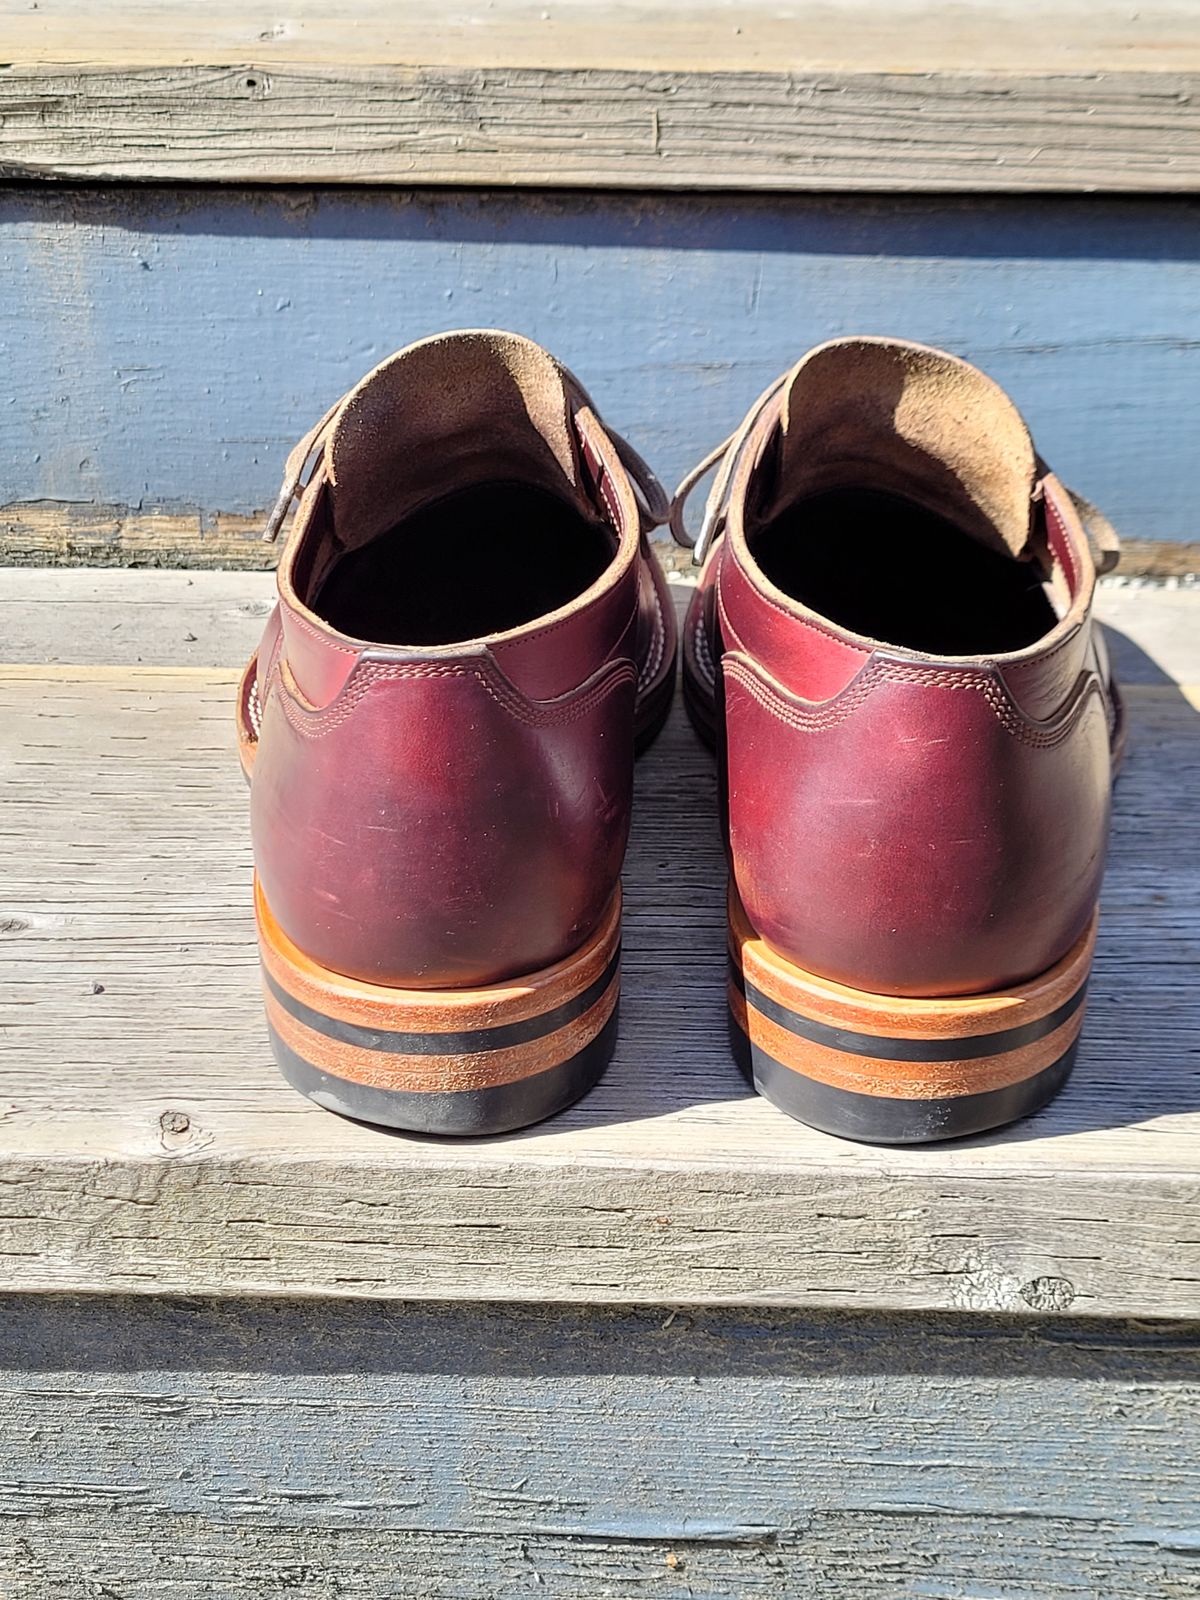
89 537
1153 633
512 126
164 350
182 1450
872 1554
82 535
107 617
846 96
658 35
147 1144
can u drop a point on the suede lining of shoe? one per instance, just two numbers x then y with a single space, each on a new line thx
454 506
898 500
474 407
914 422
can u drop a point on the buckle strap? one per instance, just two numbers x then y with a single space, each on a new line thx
649 493
651 497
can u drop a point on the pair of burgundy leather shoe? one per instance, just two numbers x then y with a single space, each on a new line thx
891 646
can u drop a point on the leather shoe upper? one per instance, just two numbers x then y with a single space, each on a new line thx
893 644
439 723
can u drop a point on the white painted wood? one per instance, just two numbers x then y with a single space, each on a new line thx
1011 96
146 1142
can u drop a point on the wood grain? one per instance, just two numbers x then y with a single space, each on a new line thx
107 617
146 1143
846 97
171 1451
71 534
68 535
868 1552
880 35
877 132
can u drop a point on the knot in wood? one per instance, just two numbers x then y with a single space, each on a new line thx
1048 1294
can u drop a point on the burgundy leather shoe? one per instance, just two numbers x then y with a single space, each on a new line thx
439 729
893 645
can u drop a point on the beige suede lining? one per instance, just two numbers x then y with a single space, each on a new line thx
915 422
454 409
509 410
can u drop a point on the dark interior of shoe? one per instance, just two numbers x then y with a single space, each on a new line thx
483 560
881 566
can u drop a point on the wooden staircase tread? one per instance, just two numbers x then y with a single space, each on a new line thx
147 1142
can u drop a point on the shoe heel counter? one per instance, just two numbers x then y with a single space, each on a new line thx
917 834
432 825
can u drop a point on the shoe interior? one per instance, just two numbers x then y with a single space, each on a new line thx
898 498
487 558
884 567
454 504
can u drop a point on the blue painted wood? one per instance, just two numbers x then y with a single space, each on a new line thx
163 348
196 1448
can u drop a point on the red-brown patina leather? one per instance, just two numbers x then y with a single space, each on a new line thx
456 814
904 823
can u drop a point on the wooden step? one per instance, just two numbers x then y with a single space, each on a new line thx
147 1143
839 94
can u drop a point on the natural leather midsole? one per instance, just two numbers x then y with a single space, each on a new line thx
494 1110
903 1048
439 1041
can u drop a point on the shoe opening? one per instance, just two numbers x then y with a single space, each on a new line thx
892 571
899 502
454 505
480 561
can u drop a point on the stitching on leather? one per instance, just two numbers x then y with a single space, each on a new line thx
614 512
1061 529
703 650
565 622
793 617
316 724
599 473
657 648
553 627
812 627
837 711
731 633
541 633
1040 658
256 697
321 638
733 639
